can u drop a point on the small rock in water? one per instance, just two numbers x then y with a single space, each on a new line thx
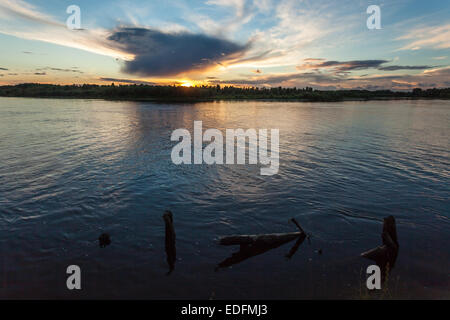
104 240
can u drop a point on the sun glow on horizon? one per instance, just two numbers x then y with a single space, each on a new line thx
187 83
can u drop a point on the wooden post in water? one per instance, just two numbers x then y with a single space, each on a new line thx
171 250
386 254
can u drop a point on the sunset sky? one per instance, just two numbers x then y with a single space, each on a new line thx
290 43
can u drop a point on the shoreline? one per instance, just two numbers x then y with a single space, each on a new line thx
196 100
211 93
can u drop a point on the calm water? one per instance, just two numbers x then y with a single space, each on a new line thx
72 169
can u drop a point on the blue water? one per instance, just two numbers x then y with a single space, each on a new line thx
72 169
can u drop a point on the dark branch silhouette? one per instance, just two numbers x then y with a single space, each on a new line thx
386 254
171 250
253 245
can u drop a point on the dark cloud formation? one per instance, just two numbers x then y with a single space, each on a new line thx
65 70
40 73
131 81
165 54
395 68
346 66
4 69
342 65
60 70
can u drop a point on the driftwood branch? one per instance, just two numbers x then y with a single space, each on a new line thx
298 225
295 247
262 239
252 245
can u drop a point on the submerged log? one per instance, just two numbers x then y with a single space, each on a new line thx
386 254
262 239
295 247
171 251
253 245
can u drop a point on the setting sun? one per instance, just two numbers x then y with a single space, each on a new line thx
187 84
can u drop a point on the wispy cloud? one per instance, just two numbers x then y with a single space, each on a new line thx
21 19
242 12
344 66
395 68
437 77
59 70
436 37
341 65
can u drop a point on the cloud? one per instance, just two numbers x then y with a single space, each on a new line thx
437 77
345 66
395 68
436 37
313 59
21 19
144 51
157 53
288 28
283 79
4 69
131 81
445 71
40 73
243 12
342 65
60 70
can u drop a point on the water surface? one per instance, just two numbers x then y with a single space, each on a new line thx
72 169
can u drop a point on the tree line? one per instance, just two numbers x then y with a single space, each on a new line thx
153 92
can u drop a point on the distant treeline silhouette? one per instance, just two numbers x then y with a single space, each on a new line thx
151 92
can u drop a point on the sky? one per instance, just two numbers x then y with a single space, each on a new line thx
266 43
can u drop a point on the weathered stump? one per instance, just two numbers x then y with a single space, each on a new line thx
386 254
104 240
